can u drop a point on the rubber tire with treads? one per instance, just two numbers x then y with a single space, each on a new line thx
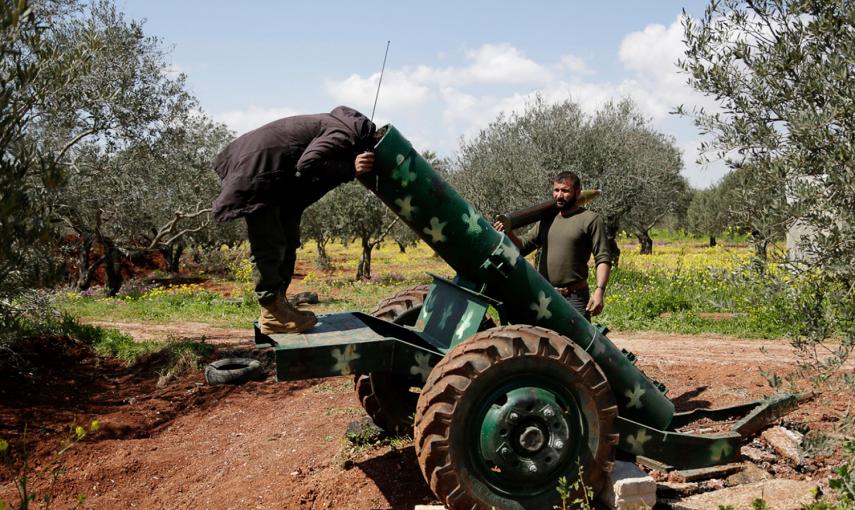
453 403
232 370
386 397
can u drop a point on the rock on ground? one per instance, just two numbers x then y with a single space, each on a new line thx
778 494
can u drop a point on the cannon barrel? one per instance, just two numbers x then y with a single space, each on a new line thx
410 187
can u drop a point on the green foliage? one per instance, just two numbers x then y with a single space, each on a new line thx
681 300
29 175
584 493
845 484
110 342
672 290
15 460
759 504
781 73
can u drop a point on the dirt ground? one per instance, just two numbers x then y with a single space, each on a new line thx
281 445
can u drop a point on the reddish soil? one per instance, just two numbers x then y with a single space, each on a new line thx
280 445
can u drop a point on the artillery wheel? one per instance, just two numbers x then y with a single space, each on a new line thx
506 413
386 397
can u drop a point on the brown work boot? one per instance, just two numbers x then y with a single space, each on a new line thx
278 317
287 304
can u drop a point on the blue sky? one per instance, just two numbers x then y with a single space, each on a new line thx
452 66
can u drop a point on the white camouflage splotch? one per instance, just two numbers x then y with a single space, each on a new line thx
542 306
404 174
634 396
406 207
344 358
422 368
465 323
435 230
636 442
471 221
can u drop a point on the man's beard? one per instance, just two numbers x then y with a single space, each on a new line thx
565 205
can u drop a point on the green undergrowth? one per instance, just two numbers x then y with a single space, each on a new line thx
702 301
115 344
184 303
684 287
193 304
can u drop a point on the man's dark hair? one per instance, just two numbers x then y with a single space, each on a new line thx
568 176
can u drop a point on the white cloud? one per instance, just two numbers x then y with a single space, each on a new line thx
654 50
575 65
399 91
440 104
241 121
502 63
657 83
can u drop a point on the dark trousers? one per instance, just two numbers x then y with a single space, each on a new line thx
578 299
274 236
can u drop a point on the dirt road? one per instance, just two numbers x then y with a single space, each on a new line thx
280 445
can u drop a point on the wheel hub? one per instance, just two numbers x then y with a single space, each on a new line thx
525 435
532 438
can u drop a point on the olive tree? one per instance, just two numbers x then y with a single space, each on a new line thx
707 214
169 186
638 170
615 150
126 106
322 223
365 219
509 165
781 73
32 66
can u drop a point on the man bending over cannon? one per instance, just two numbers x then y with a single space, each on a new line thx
269 177
567 240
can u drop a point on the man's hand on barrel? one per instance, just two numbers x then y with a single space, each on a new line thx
364 163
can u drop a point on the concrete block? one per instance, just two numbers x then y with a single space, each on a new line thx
628 488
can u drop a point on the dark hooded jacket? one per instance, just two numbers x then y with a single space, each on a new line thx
290 162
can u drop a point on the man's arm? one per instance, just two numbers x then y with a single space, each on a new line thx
527 243
603 263
597 301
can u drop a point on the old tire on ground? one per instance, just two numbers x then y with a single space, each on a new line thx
232 370
506 413
387 397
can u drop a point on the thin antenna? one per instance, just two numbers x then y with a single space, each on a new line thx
381 80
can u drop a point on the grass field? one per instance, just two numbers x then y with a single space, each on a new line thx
683 287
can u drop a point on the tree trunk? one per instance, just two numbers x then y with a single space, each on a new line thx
401 247
172 255
712 241
760 246
363 272
85 271
323 260
112 267
614 249
645 242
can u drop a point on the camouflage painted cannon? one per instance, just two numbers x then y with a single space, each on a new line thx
499 412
